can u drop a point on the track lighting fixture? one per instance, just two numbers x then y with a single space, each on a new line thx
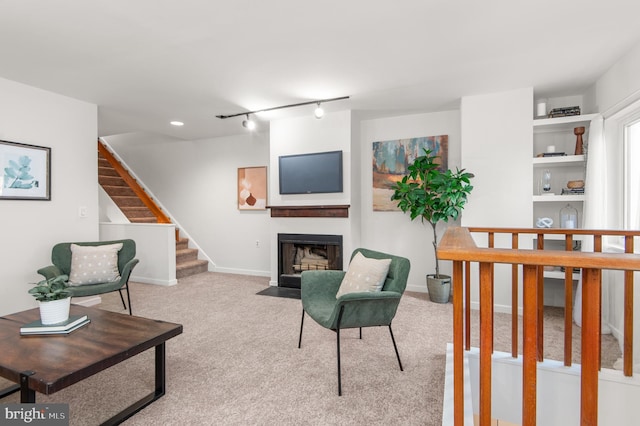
318 112
250 124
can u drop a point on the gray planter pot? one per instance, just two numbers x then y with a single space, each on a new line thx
439 288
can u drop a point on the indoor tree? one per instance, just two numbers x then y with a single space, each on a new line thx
431 194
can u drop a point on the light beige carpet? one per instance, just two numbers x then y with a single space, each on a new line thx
237 362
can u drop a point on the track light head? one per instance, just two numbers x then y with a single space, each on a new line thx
319 112
249 123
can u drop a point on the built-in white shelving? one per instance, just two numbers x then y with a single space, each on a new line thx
557 135
557 198
559 161
562 123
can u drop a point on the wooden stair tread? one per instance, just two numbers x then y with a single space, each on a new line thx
197 262
186 250
117 191
191 268
142 219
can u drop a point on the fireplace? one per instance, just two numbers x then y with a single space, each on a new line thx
305 252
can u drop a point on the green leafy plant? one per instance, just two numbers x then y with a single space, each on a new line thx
431 194
51 289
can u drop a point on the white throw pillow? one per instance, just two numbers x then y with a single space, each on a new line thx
94 264
364 274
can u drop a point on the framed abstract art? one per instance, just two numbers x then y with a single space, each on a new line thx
252 188
391 159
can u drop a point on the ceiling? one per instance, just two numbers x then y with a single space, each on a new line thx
147 62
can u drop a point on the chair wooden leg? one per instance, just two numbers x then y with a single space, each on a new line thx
396 348
301 325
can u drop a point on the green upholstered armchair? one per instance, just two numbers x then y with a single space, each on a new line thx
61 259
353 310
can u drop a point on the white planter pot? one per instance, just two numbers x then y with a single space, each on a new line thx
54 311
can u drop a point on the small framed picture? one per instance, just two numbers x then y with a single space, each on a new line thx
25 171
252 188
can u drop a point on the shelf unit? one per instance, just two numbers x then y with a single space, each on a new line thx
566 160
559 133
563 123
557 199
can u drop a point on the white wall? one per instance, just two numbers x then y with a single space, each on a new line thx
558 392
305 135
155 249
394 232
620 85
30 228
196 181
497 138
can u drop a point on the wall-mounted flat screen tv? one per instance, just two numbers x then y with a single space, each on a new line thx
315 173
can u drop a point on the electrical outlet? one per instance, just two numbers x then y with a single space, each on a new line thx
257 243
82 211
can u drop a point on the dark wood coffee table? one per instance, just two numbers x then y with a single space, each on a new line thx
47 364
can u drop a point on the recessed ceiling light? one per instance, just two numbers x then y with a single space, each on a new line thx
177 123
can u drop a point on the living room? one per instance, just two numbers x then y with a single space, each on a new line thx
195 179
203 163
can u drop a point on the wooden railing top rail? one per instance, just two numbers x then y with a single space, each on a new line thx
557 231
457 244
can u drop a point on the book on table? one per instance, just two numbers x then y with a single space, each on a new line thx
37 327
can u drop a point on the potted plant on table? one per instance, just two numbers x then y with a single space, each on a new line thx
53 298
433 195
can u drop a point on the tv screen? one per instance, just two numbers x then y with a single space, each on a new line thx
315 173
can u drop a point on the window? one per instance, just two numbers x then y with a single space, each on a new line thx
631 138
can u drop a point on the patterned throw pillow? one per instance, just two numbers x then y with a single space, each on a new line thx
94 264
364 274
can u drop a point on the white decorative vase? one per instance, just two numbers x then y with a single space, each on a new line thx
55 311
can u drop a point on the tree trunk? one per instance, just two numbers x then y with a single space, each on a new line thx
435 248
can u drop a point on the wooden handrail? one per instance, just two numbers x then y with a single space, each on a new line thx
134 185
454 246
459 246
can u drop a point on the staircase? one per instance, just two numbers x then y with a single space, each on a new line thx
121 194
133 207
187 262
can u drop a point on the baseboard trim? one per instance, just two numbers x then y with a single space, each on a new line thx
417 288
87 300
147 280
504 309
242 272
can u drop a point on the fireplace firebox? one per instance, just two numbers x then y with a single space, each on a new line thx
305 252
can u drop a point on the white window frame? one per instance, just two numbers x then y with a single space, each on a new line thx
630 166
